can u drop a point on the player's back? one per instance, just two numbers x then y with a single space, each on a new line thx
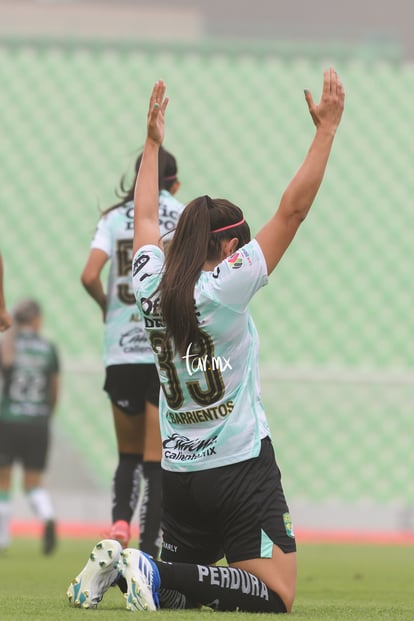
26 382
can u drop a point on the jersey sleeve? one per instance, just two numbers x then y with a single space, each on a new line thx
103 238
147 266
236 279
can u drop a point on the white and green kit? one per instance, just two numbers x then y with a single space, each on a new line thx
211 410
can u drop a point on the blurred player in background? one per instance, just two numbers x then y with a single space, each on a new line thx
222 489
29 366
5 319
131 381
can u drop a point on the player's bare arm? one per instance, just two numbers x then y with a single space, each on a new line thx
275 237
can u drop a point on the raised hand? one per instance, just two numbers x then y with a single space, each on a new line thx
155 120
327 114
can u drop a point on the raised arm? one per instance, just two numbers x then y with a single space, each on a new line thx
146 219
276 235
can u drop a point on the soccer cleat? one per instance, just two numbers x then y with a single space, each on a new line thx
121 532
49 537
99 573
142 578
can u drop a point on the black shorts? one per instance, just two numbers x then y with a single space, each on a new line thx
237 511
27 443
130 386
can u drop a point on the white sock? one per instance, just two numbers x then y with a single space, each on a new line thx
41 503
5 513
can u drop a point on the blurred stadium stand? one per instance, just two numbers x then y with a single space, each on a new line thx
336 322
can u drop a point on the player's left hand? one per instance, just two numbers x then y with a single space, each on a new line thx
327 113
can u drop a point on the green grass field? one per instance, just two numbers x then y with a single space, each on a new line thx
335 583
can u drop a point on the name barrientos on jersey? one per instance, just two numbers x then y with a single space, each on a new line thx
200 416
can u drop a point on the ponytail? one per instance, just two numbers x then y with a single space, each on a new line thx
186 256
195 241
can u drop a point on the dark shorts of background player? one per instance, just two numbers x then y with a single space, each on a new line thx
27 443
130 386
224 511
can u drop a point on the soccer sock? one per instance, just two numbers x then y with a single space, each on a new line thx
220 588
126 484
5 513
174 600
41 503
150 509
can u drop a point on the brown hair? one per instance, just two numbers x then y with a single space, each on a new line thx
192 245
25 311
167 175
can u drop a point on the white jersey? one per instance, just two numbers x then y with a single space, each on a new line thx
125 341
211 412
